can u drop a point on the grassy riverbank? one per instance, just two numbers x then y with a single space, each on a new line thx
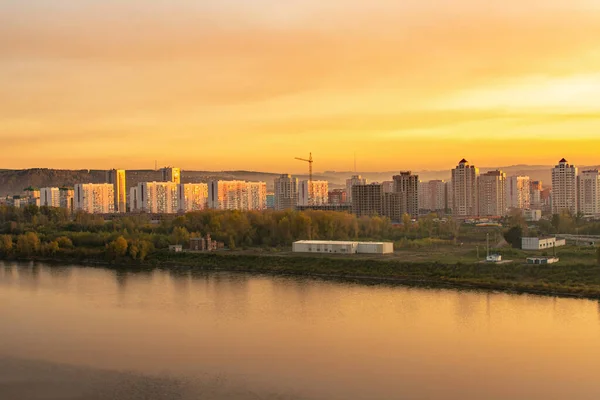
563 279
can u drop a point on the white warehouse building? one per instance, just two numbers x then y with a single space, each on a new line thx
342 247
534 243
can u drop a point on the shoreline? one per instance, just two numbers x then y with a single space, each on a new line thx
483 277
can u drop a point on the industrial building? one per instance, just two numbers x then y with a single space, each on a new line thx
342 247
543 243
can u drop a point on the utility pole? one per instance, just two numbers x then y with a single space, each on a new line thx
487 243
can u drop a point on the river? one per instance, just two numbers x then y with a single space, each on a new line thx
85 333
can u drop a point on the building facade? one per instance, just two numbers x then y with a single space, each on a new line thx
94 198
518 192
66 198
337 196
171 174
192 196
492 194
589 193
355 180
407 185
367 200
157 197
433 196
535 195
50 197
564 188
465 192
313 193
237 195
116 177
286 192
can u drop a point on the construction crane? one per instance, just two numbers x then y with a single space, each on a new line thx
309 161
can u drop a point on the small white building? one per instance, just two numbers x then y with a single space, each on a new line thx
532 215
342 247
543 243
176 248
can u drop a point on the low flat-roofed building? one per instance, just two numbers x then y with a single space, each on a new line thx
342 247
534 243
542 260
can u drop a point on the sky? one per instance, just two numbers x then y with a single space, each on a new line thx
251 84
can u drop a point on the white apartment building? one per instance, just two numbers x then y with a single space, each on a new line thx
518 192
286 192
192 196
157 197
237 195
465 192
589 193
313 193
94 198
355 180
50 197
492 194
564 188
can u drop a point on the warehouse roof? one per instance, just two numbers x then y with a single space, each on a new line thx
335 242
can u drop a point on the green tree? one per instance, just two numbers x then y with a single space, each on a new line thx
117 248
513 236
180 235
28 244
6 244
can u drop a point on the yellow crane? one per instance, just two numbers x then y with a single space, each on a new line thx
309 161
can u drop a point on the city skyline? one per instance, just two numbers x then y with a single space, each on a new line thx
495 84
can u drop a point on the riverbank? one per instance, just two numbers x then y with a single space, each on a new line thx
567 280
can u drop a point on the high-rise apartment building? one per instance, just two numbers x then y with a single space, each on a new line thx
94 198
337 196
50 197
313 193
116 177
367 199
589 193
237 195
257 196
388 186
407 185
464 190
66 198
433 196
192 196
355 180
170 174
518 192
286 192
157 197
394 206
492 194
564 188
535 195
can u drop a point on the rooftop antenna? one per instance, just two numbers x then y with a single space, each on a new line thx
156 165
355 162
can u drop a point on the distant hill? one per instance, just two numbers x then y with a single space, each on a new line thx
14 181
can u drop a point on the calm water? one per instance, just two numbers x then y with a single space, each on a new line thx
84 333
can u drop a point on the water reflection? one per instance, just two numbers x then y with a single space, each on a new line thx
299 338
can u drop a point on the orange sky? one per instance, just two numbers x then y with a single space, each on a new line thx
238 84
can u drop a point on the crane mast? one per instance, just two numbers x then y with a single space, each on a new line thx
310 162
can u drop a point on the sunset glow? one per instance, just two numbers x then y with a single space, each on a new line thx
234 84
